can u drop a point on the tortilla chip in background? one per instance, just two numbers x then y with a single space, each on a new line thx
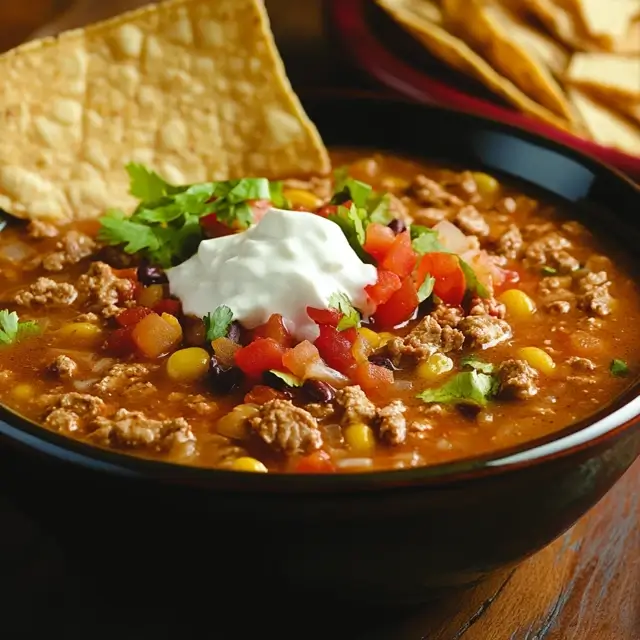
606 127
501 48
422 9
630 43
617 76
606 21
545 48
561 23
194 89
455 53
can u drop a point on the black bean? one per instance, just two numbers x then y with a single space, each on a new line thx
381 361
149 274
234 331
397 226
223 379
318 391
272 380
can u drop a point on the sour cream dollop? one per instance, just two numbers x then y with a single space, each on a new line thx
287 262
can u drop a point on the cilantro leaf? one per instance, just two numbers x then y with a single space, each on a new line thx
426 288
12 329
217 323
478 365
354 190
425 240
548 271
619 368
467 387
288 378
340 177
116 229
473 284
147 185
277 197
352 222
379 208
350 315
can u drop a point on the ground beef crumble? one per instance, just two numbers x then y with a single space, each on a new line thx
581 364
550 250
356 405
484 332
427 337
102 290
510 243
487 307
472 222
123 377
517 379
70 411
47 291
38 230
594 296
287 428
447 316
429 193
70 249
63 367
392 425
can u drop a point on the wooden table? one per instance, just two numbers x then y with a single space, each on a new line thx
585 586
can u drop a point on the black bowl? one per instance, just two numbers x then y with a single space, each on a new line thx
397 536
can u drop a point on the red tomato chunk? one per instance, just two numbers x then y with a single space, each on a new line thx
259 356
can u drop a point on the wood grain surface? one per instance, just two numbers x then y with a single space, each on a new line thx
585 586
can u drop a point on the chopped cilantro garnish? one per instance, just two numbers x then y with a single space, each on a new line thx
165 226
475 363
473 284
217 323
288 378
350 316
425 240
619 368
379 208
12 329
340 177
354 190
426 288
467 387
549 271
352 221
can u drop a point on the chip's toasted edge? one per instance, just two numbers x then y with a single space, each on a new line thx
35 194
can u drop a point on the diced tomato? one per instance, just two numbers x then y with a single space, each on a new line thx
324 316
120 342
300 358
335 348
317 462
156 335
168 305
327 210
378 240
128 274
261 394
131 317
259 356
380 292
450 283
401 258
274 328
214 229
372 378
400 306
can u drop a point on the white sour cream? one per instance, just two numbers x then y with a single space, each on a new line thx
287 262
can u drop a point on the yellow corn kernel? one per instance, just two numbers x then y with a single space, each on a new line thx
22 392
360 437
384 337
302 198
172 320
80 331
370 336
519 305
248 464
361 349
151 295
188 365
434 367
538 359
487 185
234 424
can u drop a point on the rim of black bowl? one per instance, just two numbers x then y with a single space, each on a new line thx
28 434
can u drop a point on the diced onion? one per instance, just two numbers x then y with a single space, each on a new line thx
354 463
84 385
452 239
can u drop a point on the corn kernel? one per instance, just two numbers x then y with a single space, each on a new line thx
384 337
234 424
80 331
538 359
22 392
151 295
302 198
248 464
172 320
434 367
360 437
188 365
370 336
519 305
487 185
361 349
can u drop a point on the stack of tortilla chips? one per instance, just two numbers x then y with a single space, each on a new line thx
573 63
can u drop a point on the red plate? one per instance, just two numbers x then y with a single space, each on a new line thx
386 52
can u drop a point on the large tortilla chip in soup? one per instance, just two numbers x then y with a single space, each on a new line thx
457 54
501 46
613 75
194 89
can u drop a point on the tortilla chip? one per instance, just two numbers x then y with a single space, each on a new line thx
630 43
547 50
560 22
618 76
606 21
501 48
195 89
604 126
455 53
422 9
